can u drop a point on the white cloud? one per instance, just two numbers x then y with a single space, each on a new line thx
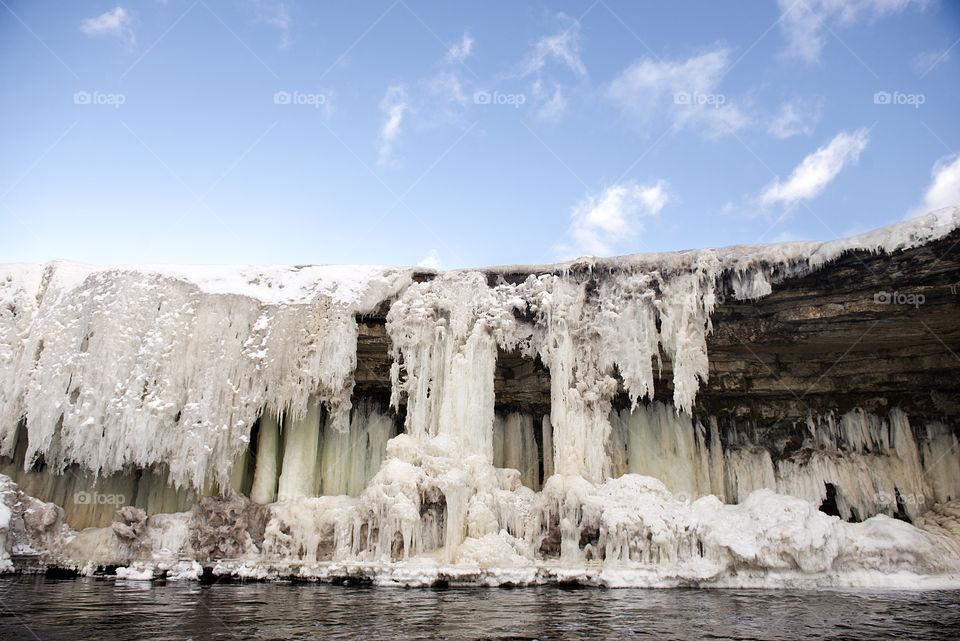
277 14
787 237
796 117
944 189
431 260
816 171
459 51
117 23
394 105
603 223
447 86
431 101
563 47
550 107
684 91
924 63
439 100
805 23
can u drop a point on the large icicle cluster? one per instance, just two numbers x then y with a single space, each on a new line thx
587 327
112 368
445 335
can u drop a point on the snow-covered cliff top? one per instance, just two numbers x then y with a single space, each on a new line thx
903 235
290 284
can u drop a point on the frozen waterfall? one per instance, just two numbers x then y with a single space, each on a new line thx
174 419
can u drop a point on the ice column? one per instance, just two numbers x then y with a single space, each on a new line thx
299 477
349 460
265 473
515 447
445 335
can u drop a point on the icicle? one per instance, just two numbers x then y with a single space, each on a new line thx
238 473
547 431
266 473
349 460
941 462
747 470
515 447
665 445
874 465
445 335
301 441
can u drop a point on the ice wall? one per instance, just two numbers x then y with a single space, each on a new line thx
874 464
121 374
432 513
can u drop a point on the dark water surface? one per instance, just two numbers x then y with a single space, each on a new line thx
43 608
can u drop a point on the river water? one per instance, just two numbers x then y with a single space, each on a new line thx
40 608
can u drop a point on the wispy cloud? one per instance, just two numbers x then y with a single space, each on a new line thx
561 47
944 188
816 171
447 86
459 51
439 100
277 14
797 117
684 91
117 23
560 51
605 223
805 23
924 63
788 237
393 106
550 106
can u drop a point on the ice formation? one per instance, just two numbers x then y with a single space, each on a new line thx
114 367
218 403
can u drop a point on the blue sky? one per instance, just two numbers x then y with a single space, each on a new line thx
466 134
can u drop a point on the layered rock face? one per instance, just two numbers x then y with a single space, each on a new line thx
746 416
